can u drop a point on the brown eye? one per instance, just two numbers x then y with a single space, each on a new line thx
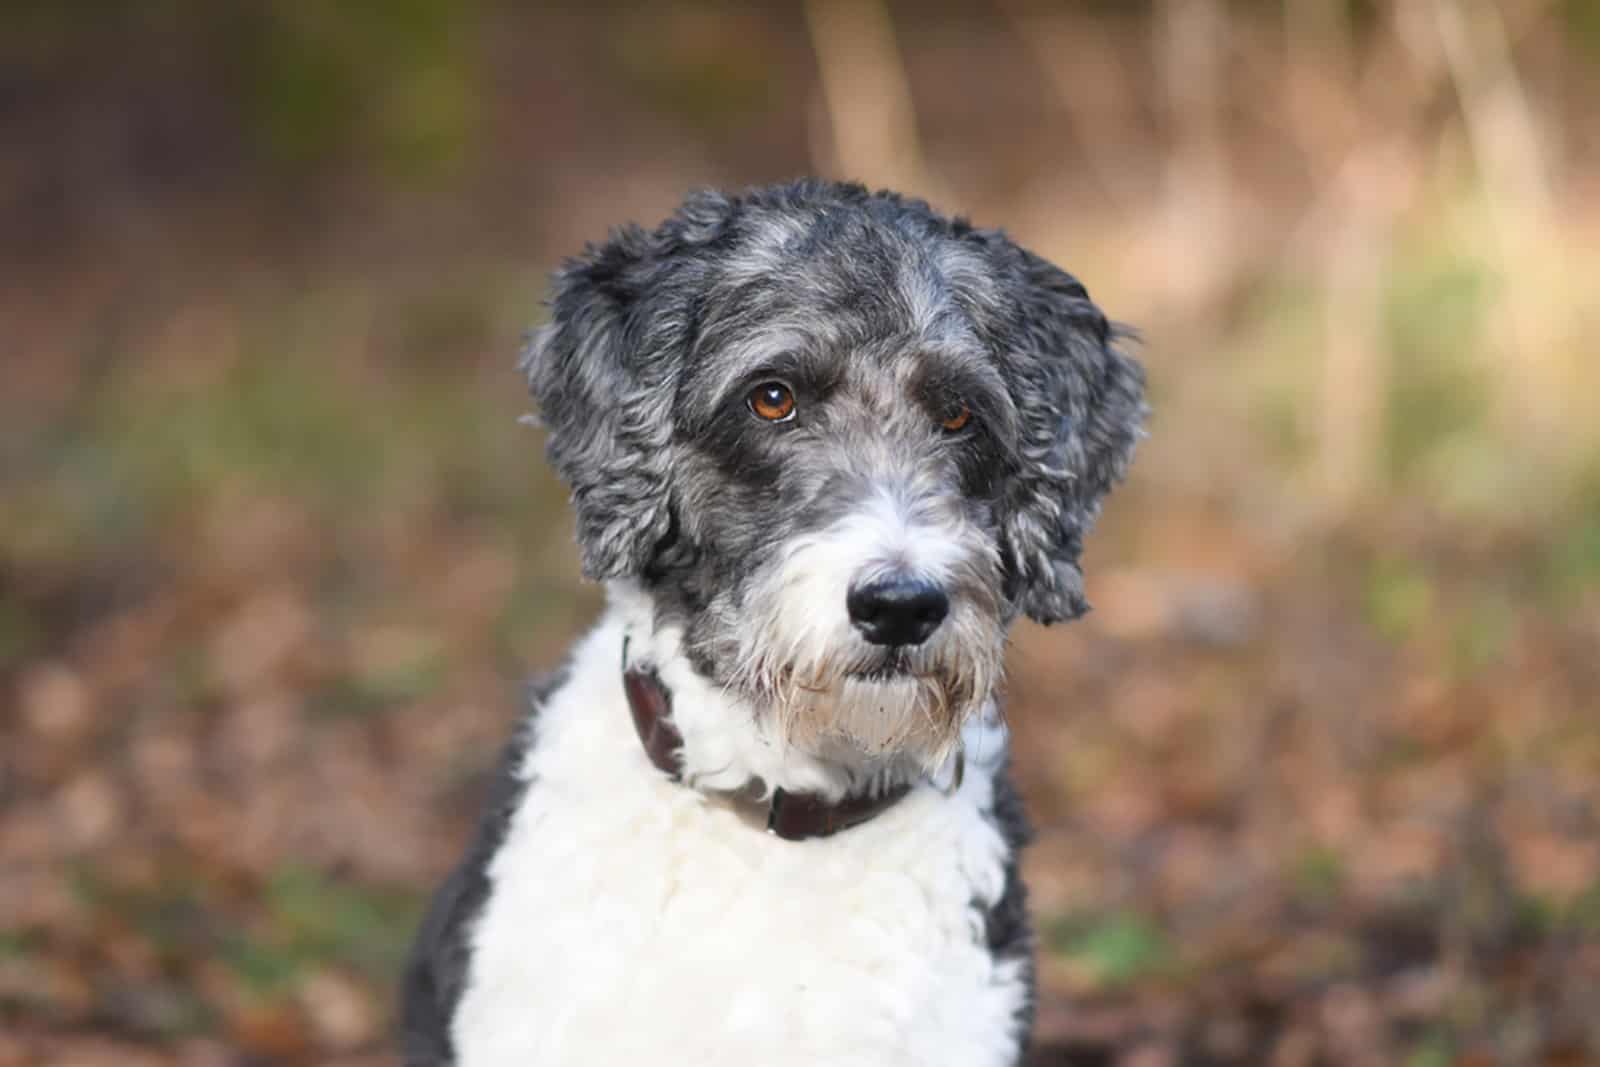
956 418
772 401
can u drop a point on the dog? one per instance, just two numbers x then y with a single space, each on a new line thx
824 446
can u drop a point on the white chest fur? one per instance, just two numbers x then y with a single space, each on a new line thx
631 920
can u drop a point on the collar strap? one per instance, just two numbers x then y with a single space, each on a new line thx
791 816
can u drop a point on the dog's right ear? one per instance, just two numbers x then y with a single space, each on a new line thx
604 371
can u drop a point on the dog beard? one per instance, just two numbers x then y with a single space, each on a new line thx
904 703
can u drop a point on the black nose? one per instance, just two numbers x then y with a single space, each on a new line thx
897 611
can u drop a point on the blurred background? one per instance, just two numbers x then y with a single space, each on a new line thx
1317 783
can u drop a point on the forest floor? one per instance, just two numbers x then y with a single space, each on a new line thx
1327 798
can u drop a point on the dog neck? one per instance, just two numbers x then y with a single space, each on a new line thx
730 743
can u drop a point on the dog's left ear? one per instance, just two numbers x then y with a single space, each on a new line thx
1080 404
605 370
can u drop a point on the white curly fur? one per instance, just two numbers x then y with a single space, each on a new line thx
632 920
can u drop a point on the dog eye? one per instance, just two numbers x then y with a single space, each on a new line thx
956 417
772 401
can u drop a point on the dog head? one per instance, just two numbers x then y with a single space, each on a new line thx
842 441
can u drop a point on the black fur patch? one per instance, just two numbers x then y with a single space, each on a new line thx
1005 922
436 972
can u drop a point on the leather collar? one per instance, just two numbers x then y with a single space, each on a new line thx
791 816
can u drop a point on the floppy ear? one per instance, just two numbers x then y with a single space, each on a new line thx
1081 406
605 370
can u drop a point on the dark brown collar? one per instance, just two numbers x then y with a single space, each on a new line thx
792 816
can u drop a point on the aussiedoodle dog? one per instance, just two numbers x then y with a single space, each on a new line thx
825 446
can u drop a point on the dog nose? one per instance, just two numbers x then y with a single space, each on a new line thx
897 611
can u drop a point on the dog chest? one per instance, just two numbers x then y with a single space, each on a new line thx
631 920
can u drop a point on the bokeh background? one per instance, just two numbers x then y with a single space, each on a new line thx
1317 783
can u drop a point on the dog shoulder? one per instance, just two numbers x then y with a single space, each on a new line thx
436 971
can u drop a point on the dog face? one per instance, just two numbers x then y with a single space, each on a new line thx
843 441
